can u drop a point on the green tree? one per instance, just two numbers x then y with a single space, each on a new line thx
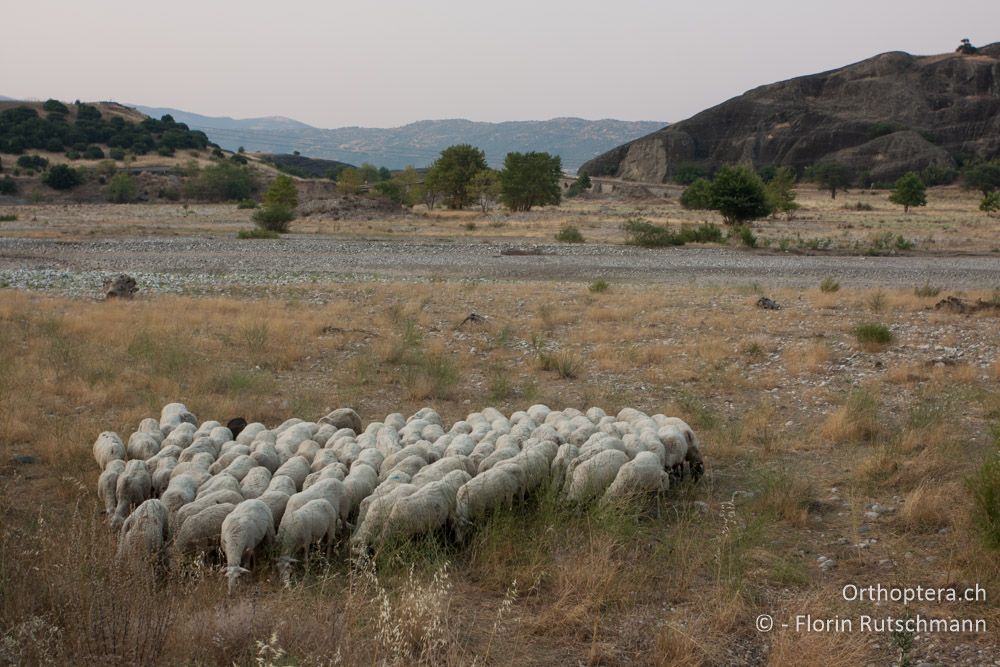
780 191
349 181
8 186
530 179
122 189
384 174
982 176
223 181
686 174
369 173
909 191
431 190
453 171
410 185
282 192
738 194
831 176
484 188
579 186
62 177
989 205
698 195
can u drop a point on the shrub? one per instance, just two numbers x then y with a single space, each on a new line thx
116 154
984 486
55 106
831 176
165 151
569 234
62 177
282 192
858 206
530 179
934 174
224 181
829 285
72 155
579 186
926 290
745 235
738 194
982 176
566 364
246 204
909 191
698 195
257 233
8 217
598 286
54 145
687 174
872 333
122 189
36 162
647 235
273 218
990 203
93 153
8 186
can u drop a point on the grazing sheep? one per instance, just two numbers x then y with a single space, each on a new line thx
483 493
107 448
313 523
387 441
410 465
426 509
181 490
276 502
282 483
343 418
167 452
498 455
358 485
307 449
182 436
244 529
374 512
594 475
145 532
416 449
173 415
239 468
201 445
160 479
142 445
642 475
255 482
227 455
248 433
203 531
371 457
236 425
322 459
197 466
221 482
107 484
180 517
560 464
296 468
336 471
331 490
436 471
266 455
132 488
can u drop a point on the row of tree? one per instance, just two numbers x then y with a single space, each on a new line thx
460 178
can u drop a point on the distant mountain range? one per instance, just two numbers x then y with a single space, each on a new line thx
574 139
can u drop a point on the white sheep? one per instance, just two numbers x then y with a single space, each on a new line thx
221 482
160 479
371 457
132 488
358 485
181 490
182 435
173 415
266 455
426 509
313 523
483 493
642 475
436 471
594 475
410 465
166 452
331 490
374 512
145 532
185 512
227 455
107 448
107 484
250 432
282 483
142 445
296 468
276 502
255 483
244 529
203 531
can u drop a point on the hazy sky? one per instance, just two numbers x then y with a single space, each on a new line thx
390 62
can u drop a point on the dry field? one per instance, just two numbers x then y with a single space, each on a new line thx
816 445
951 223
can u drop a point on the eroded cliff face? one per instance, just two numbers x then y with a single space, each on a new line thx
886 115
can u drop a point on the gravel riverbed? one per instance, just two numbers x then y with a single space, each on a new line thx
218 264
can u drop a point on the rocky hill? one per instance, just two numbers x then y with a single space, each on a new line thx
883 116
574 139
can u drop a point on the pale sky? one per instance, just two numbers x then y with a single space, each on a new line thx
391 62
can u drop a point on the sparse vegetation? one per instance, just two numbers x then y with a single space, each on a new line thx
829 285
122 189
984 486
599 286
926 290
581 185
873 334
647 235
62 177
274 218
257 233
569 234
245 204
223 181
8 217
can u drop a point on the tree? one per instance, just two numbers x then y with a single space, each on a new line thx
369 173
989 205
909 191
122 189
62 177
453 171
349 181
686 174
698 195
282 192
831 176
410 187
780 191
431 189
485 188
579 186
982 176
738 194
384 174
530 179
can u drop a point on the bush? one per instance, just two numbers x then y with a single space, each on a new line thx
257 233
93 153
8 186
224 181
641 233
687 174
739 195
530 179
829 285
36 162
62 177
246 204
569 234
122 189
982 176
55 106
872 333
598 286
54 145
274 218
116 154
984 487
282 192
698 195
745 235
165 151
934 174
926 290
579 186
990 203
72 155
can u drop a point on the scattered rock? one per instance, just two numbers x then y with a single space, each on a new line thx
953 304
768 304
122 286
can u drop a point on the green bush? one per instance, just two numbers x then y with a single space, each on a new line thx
72 155
116 154
984 486
909 191
8 186
687 174
36 162
569 234
55 106
926 290
224 181
274 218
698 195
54 145
93 153
282 192
745 235
579 186
934 174
62 177
598 286
872 333
122 189
246 204
990 203
8 217
739 195
829 285
647 235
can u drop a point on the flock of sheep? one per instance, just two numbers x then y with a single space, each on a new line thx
248 489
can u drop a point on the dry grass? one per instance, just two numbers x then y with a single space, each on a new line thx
771 396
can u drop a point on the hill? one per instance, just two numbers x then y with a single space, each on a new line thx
883 116
306 167
576 140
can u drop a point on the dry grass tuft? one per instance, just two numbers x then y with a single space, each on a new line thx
929 507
